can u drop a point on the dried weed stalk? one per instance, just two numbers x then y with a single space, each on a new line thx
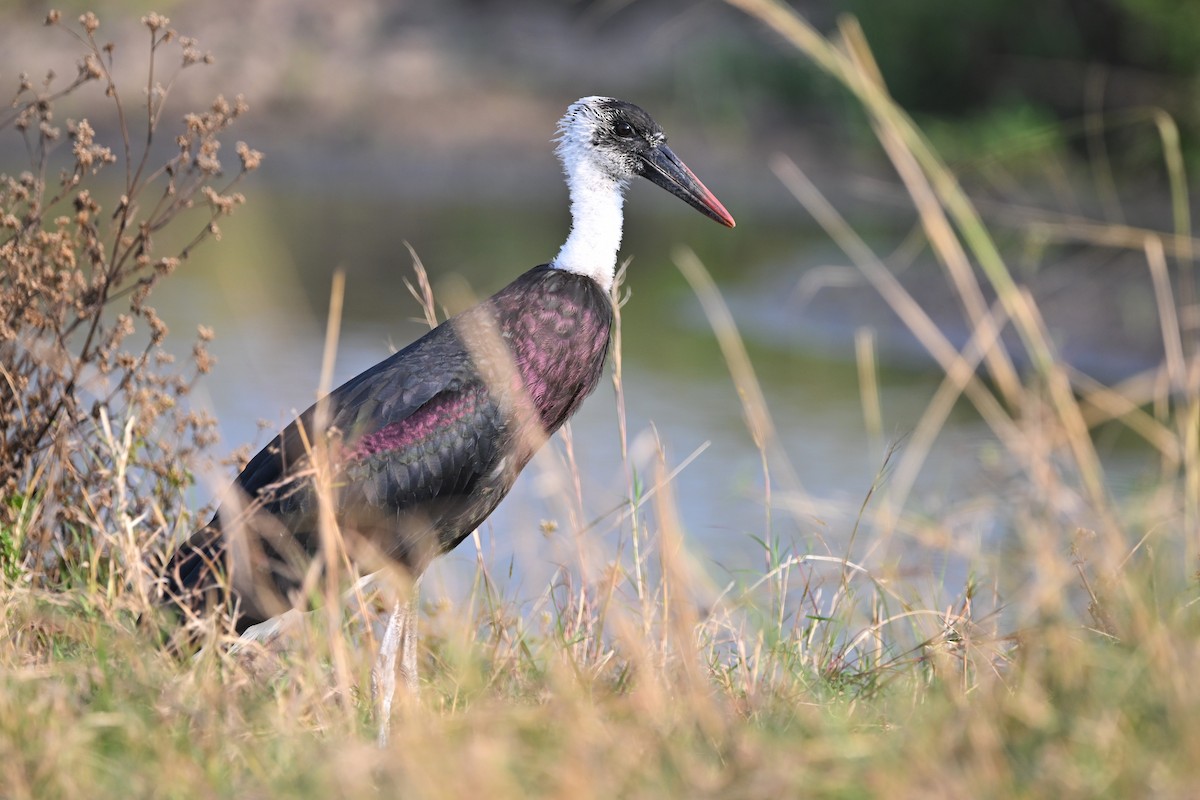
81 350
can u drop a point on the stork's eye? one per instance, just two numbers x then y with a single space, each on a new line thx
624 130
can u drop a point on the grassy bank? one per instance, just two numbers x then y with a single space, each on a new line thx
1062 667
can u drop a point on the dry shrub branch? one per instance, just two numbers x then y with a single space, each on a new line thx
94 436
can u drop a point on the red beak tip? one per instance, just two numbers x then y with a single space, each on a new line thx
724 217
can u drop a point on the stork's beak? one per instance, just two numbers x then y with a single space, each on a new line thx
664 168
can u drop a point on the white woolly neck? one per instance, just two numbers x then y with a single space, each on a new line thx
596 220
597 193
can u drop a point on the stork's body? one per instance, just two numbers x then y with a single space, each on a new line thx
424 445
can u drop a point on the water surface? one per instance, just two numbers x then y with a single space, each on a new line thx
265 290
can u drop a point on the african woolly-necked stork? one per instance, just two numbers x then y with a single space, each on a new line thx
424 445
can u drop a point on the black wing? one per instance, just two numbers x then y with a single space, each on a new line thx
419 440
386 394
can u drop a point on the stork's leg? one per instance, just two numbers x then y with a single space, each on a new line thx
409 643
399 640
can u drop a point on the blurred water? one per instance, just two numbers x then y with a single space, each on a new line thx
265 291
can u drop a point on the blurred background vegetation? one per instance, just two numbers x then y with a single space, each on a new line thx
988 69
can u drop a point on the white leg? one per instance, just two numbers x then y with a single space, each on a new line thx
399 639
383 676
408 645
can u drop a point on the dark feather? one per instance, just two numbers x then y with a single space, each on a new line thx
424 444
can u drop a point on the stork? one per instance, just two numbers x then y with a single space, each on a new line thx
422 447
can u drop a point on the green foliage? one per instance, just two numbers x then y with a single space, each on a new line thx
1167 33
946 57
990 62
10 539
941 56
1021 137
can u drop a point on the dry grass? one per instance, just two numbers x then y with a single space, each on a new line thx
1064 668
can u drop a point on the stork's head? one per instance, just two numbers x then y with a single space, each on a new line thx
601 138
